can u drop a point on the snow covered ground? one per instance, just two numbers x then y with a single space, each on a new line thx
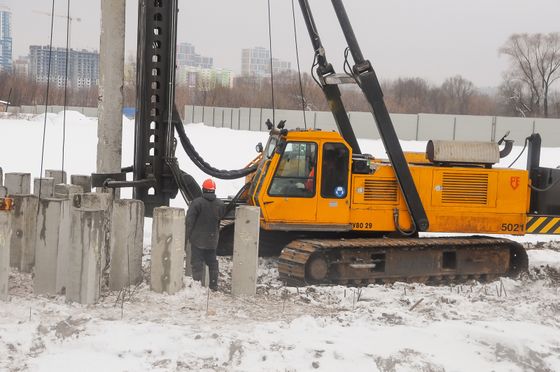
507 325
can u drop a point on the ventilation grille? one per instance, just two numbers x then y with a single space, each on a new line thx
465 188
380 190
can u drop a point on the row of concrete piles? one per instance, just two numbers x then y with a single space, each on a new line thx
71 239
77 243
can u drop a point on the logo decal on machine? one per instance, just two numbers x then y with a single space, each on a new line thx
340 192
515 181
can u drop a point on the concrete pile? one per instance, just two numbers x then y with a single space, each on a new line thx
77 243
4 254
5 233
67 238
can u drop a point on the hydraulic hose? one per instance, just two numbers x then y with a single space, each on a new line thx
199 161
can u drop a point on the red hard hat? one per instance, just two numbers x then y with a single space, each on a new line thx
209 185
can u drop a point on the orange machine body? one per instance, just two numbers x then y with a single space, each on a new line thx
457 199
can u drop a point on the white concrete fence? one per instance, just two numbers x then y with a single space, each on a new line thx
421 127
40 109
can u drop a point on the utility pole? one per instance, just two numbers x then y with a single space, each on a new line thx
111 98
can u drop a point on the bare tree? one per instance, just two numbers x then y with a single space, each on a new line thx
555 104
408 95
457 92
535 62
515 99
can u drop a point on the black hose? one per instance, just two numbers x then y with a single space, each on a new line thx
398 226
313 66
521 153
177 176
534 188
236 198
199 161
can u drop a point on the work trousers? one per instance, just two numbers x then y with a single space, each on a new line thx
199 257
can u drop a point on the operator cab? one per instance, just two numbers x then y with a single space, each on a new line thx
303 178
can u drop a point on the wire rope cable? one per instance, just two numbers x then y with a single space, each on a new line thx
271 63
170 158
68 20
46 99
299 67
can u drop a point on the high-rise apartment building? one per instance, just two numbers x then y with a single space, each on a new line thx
196 71
187 56
83 66
203 78
5 39
279 66
21 66
256 62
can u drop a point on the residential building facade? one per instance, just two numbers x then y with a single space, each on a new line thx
5 39
83 66
255 62
203 78
187 56
21 66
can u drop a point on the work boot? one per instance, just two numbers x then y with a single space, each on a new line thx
213 272
197 272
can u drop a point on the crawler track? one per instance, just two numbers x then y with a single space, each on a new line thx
365 261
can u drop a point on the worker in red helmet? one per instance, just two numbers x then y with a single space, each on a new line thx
202 230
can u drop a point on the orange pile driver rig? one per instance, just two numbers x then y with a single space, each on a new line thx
333 214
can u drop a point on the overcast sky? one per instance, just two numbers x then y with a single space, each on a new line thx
432 39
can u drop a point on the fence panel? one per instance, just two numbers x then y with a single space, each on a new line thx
436 127
363 125
549 129
294 118
473 128
244 118
259 117
189 114
198 114
324 121
219 117
520 128
406 126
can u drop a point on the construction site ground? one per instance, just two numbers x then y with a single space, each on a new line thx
504 325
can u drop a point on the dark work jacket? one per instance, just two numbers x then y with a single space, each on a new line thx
203 221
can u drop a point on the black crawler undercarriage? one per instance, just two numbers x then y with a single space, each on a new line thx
358 260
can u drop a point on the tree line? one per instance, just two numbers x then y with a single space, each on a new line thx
529 88
22 90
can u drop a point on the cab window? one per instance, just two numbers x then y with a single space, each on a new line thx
334 183
295 174
271 146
